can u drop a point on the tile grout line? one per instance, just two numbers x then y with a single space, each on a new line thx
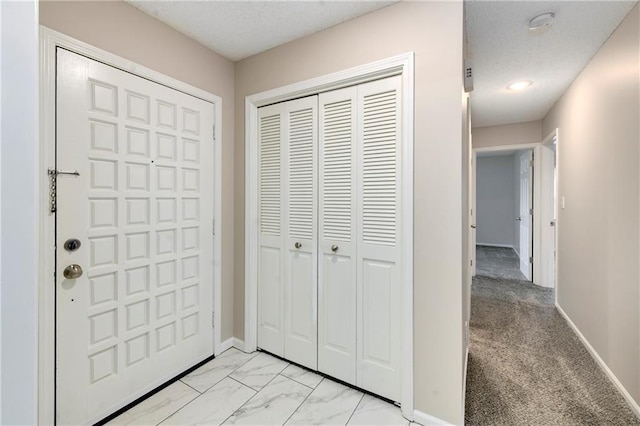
188 402
253 396
355 409
187 384
297 381
302 403
232 371
238 381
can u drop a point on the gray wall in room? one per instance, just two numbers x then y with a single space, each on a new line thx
495 200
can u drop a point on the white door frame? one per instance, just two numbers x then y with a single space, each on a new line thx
50 40
398 65
537 197
548 254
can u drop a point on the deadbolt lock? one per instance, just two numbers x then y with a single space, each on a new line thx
72 244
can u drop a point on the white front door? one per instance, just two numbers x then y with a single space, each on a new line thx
141 208
526 214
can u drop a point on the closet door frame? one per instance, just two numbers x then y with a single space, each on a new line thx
398 65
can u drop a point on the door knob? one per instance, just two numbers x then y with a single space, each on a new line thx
72 272
518 219
473 226
334 248
297 245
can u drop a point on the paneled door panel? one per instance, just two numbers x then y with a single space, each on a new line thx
378 237
142 209
287 283
301 290
337 224
270 235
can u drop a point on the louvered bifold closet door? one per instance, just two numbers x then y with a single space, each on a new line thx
301 325
337 235
271 229
287 255
378 237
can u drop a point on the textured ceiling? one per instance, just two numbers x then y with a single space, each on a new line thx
238 29
503 51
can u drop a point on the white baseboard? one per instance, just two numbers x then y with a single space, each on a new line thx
627 396
225 345
464 377
238 344
495 245
231 342
428 420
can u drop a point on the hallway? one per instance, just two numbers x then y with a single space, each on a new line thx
527 367
498 262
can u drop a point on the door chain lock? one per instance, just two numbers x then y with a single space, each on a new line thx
53 178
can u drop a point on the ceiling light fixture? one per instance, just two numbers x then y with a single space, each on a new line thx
519 85
541 22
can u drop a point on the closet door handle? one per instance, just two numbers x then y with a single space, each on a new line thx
334 248
297 245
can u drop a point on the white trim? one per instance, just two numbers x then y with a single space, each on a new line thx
398 65
627 396
497 245
547 255
464 376
537 188
227 344
556 132
427 419
49 41
238 344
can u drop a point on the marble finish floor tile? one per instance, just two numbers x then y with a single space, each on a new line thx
329 404
217 369
273 405
214 406
158 407
374 411
302 375
259 371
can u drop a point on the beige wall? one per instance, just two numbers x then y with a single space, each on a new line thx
433 30
125 31
507 134
599 163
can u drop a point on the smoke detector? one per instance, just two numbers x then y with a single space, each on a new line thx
541 23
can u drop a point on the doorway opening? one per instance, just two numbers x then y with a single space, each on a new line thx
504 221
514 212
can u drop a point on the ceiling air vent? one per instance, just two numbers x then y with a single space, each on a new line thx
468 77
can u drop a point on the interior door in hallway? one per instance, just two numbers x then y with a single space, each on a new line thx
526 214
134 293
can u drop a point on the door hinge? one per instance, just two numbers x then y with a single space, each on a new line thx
531 163
531 259
213 319
213 226
530 211
471 262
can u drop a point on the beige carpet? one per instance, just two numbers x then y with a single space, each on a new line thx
527 367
